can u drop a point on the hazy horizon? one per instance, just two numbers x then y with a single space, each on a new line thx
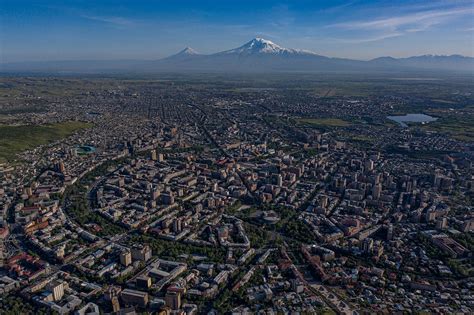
114 30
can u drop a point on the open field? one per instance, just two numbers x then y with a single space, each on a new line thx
459 123
16 139
323 122
458 128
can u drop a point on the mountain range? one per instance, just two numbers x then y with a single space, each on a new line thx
257 55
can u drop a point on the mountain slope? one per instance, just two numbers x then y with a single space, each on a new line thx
257 55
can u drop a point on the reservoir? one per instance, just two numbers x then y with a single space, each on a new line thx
418 118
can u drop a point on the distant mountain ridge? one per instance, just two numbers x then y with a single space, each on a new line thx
429 61
257 55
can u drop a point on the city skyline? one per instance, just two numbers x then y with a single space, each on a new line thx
236 157
76 30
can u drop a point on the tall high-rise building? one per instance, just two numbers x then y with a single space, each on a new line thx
60 167
369 165
115 304
441 223
121 181
155 193
323 201
177 225
368 245
28 191
376 191
279 180
57 289
173 300
142 254
125 258
389 232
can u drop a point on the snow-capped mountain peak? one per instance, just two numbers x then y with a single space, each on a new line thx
188 51
263 46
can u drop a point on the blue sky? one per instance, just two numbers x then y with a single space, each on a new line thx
151 29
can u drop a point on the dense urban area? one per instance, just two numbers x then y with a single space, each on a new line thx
288 194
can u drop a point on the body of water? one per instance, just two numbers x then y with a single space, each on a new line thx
418 118
85 149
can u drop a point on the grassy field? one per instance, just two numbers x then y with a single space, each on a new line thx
323 122
16 139
460 128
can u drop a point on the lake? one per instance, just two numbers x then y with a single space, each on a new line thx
418 118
